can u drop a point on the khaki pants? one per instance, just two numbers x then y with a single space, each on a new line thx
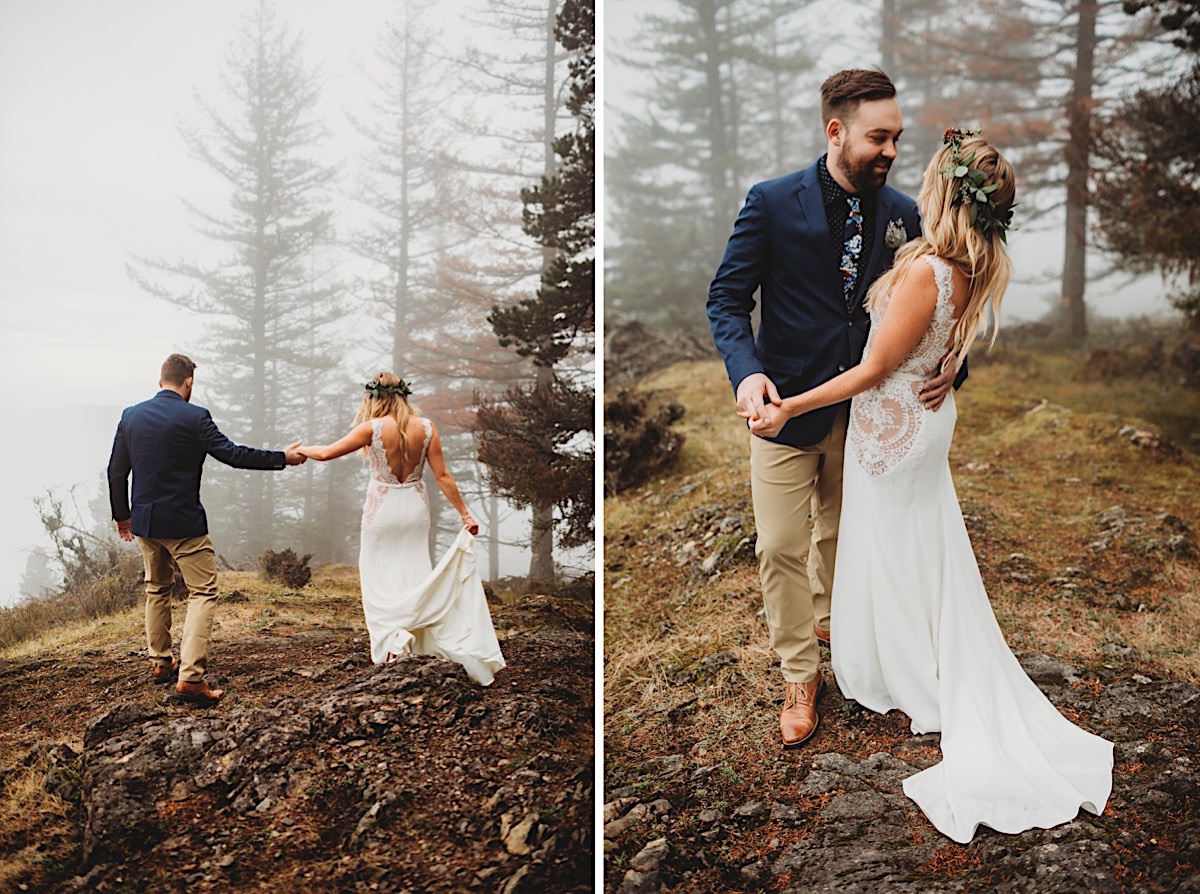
797 493
198 562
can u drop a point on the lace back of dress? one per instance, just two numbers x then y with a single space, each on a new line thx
419 469
377 456
887 421
925 357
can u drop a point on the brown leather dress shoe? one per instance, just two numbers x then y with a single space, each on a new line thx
198 693
161 674
822 636
798 720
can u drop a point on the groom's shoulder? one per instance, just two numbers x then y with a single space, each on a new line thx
158 405
789 182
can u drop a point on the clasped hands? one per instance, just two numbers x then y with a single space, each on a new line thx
759 403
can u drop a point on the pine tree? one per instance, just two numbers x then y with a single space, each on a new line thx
407 185
1147 192
724 109
539 443
39 578
526 78
1032 73
267 294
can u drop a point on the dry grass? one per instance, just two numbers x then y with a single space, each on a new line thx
1034 483
1044 476
247 606
124 627
688 666
1065 377
27 806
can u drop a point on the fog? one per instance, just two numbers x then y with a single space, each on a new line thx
1037 247
92 169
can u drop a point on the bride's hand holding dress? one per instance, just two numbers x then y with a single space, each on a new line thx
409 605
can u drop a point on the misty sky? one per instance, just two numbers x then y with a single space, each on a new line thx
91 170
92 166
1036 248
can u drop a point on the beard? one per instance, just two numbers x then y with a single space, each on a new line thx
866 173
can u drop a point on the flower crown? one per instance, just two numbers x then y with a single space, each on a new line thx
985 216
377 389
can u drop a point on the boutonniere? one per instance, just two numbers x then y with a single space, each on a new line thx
896 235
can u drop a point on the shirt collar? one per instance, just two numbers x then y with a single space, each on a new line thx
831 190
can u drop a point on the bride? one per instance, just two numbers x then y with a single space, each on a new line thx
912 627
411 606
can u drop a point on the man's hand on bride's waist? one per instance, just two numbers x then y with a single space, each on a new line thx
933 393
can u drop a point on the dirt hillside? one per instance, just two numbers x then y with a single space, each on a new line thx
318 771
1084 518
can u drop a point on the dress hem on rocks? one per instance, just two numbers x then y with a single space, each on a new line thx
913 629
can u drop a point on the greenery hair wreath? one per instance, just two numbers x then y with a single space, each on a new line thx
377 389
985 216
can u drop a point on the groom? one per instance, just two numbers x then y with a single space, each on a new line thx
164 442
811 243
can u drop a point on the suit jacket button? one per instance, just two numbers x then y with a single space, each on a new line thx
841 367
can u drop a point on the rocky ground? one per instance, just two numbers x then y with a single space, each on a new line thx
823 820
1084 519
319 771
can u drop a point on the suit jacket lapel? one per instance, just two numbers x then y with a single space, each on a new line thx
812 205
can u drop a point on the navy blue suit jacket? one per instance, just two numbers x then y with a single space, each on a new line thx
781 246
164 441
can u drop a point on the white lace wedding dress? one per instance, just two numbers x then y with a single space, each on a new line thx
913 629
410 605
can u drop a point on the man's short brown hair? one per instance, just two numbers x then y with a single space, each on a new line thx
177 369
842 92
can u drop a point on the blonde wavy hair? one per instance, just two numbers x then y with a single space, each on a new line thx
394 405
949 234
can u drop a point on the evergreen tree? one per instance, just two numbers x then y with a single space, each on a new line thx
525 77
725 108
1147 192
1032 73
416 202
407 185
539 444
1179 17
267 294
39 578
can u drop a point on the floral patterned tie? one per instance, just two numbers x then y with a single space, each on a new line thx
852 249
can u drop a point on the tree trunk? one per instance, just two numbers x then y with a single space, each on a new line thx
493 537
718 125
1074 317
541 534
258 521
887 39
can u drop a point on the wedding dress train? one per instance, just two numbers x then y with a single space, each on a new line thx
409 604
913 629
